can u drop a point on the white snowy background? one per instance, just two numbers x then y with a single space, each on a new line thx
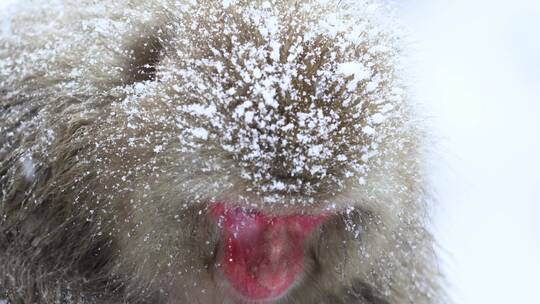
475 68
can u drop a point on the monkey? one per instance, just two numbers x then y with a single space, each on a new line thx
210 151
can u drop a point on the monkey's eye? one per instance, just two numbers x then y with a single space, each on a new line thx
142 60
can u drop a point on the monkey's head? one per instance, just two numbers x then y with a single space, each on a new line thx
248 149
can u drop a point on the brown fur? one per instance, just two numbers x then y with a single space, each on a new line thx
91 212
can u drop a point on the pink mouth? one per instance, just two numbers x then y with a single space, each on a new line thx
263 255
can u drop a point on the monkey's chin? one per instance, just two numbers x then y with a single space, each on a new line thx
262 255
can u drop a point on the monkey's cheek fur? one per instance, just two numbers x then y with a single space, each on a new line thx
262 255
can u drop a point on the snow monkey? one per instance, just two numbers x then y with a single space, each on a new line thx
205 151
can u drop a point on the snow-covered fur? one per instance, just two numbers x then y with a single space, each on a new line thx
121 120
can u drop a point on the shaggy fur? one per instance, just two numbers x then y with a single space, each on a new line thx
116 133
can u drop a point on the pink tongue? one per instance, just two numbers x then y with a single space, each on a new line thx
262 255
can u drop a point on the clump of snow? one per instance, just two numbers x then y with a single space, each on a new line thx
28 168
355 69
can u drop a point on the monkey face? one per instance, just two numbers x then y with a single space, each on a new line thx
269 133
262 256
216 152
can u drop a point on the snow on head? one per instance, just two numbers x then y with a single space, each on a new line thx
280 99
295 88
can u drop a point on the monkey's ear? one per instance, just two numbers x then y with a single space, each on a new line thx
142 58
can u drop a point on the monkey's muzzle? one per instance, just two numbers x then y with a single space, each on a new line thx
262 255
